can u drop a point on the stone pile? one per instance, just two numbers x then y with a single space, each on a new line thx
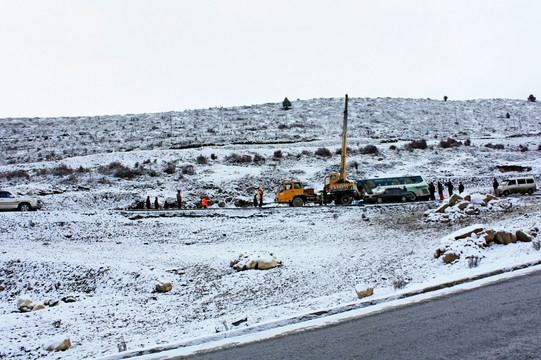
254 262
458 207
469 242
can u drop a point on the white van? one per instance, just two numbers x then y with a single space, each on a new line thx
521 185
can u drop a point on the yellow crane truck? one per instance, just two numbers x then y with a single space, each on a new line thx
336 187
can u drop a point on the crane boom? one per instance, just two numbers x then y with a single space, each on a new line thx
344 139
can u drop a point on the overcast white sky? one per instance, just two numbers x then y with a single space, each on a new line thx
133 56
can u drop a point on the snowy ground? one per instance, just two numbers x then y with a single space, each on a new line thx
100 263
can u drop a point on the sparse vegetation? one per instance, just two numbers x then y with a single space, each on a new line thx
416 144
202 160
238 159
369 150
62 170
323 152
277 154
495 146
449 143
9 175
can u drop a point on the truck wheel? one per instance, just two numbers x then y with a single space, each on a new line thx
506 193
403 198
345 199
379 200
530 191
297 202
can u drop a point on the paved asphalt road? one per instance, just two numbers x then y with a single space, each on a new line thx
498 321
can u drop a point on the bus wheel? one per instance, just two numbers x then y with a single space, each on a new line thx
413 196
297 202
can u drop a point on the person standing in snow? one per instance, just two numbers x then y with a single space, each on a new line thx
495 185
179 199
147 202
460 187
432 190
156 203
255 200
449 186
260 196
204 202
440 190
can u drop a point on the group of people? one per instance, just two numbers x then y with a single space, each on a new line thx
439 187
148 203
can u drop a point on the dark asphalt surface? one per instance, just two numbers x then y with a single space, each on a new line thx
498 321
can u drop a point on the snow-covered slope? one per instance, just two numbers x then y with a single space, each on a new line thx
84 246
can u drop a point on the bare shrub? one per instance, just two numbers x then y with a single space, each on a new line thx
392 147
258 159
539 147
523 148
202 160
15 174
213 156
309 153
449 143
62 170
170 168
495 146
536 245
188 170
238 159
323 152
369 150
416 144
473 261
277 154
126 173
399 283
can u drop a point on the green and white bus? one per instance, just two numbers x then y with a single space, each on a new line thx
413 183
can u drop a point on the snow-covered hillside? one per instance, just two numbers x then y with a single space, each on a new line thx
99 263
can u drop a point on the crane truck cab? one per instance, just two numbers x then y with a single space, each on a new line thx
295 194
340 191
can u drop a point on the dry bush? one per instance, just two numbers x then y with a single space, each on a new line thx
449 143
62 170
238 159
188 170
15 174
495 146
323 152
369 150
170 168
202 160
416 144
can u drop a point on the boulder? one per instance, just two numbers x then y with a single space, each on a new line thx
468 231
25 305
163 288
504 238
522 236
450 257
58 344
488 235
462 205
364 291
38 307
442 208
467 198
454 199
265 264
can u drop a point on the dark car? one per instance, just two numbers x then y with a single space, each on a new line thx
391 195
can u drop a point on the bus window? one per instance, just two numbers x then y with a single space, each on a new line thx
297 186
395 181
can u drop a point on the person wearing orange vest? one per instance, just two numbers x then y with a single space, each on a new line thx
204 202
